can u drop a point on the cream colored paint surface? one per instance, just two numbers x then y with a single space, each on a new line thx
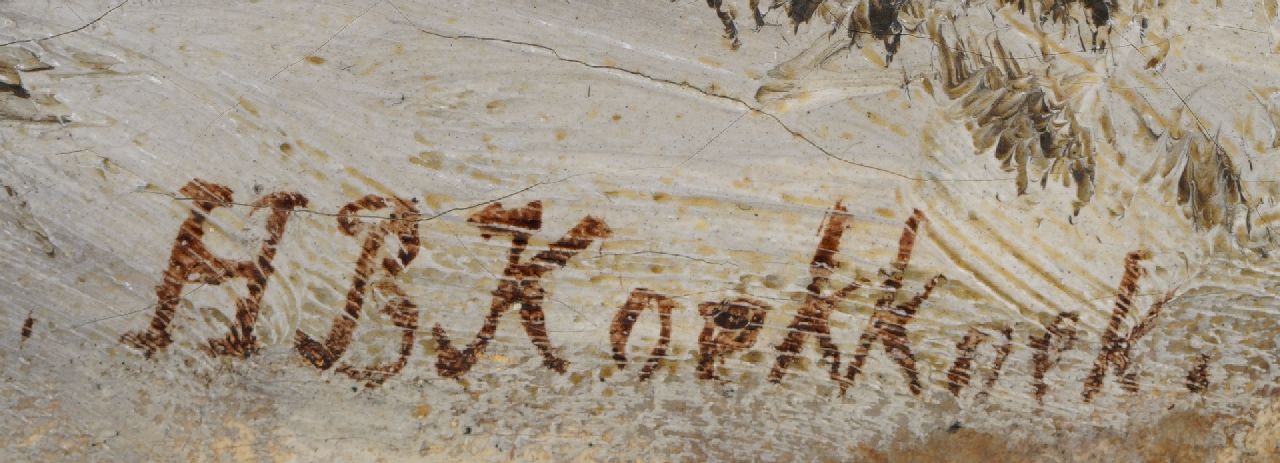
715 168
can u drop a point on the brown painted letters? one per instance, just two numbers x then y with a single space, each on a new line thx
521 282
191 263
731 325
813 317
1116 348
958 375
390 242
888 323
403 224
1059 337
620 329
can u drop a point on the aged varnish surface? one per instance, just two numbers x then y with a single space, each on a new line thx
733 230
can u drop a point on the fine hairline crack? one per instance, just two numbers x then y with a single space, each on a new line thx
556 54
669 254
427 218
684 85
72 31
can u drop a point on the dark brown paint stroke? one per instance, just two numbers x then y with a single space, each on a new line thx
1002 354
404 315
521 283
1198 377
191 263
1059 337
402 223
726 19
731 325
888 323
813 317
959 374
27 326
1117 348
625 320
